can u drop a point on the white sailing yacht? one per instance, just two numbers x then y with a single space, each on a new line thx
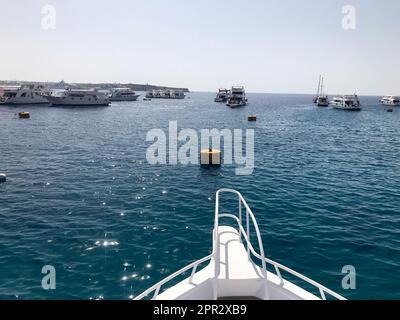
321 100
231 271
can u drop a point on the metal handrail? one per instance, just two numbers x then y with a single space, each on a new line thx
156 288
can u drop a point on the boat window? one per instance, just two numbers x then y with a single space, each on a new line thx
23 94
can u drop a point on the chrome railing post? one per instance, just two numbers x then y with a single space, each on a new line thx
240 219
248 233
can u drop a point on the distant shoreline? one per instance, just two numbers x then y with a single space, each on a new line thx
103 86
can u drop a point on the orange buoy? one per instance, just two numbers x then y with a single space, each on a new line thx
210 157
24 115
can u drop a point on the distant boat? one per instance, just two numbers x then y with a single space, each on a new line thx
346 102
27 94
237 97
222 95
78 98
318 90
123 94
165 94
322 99
390 101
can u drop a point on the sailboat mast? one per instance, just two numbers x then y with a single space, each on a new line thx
319 86
322 87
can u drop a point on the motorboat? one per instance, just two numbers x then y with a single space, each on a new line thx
78 98
25 94
346 102
390 101
235 270
237 97
123 94
222 95
165 94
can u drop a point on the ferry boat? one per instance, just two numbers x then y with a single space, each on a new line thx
390 101
346 102
231 273
222 95
78 97
237 97
123 94
165 94
26 94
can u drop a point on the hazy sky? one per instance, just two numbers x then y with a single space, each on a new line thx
266 45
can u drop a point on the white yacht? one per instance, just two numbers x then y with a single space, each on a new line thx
230 273
165 94
78 97
237 97
26 94
346 102
123 94
222 95
390 101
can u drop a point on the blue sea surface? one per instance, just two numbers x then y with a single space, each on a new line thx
81 196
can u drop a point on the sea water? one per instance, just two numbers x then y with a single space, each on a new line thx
81 196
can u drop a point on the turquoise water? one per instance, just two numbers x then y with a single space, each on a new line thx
325 192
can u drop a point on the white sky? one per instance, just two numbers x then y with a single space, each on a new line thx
266 45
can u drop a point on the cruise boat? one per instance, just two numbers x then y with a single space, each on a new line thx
347 102
78 98
222 95
26 94
237 97
123 94
390 101
165 94
230 271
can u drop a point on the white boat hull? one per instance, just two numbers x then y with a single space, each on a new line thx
66 101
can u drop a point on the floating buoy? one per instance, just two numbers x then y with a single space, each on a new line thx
3 177
210 157
252 118
24 115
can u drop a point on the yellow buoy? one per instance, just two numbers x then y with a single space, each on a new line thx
210 157
252 118
24 115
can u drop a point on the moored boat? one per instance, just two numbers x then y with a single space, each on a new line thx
123 94
26 94
346 102
222 95
78 98
231 273
237 97
390 101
